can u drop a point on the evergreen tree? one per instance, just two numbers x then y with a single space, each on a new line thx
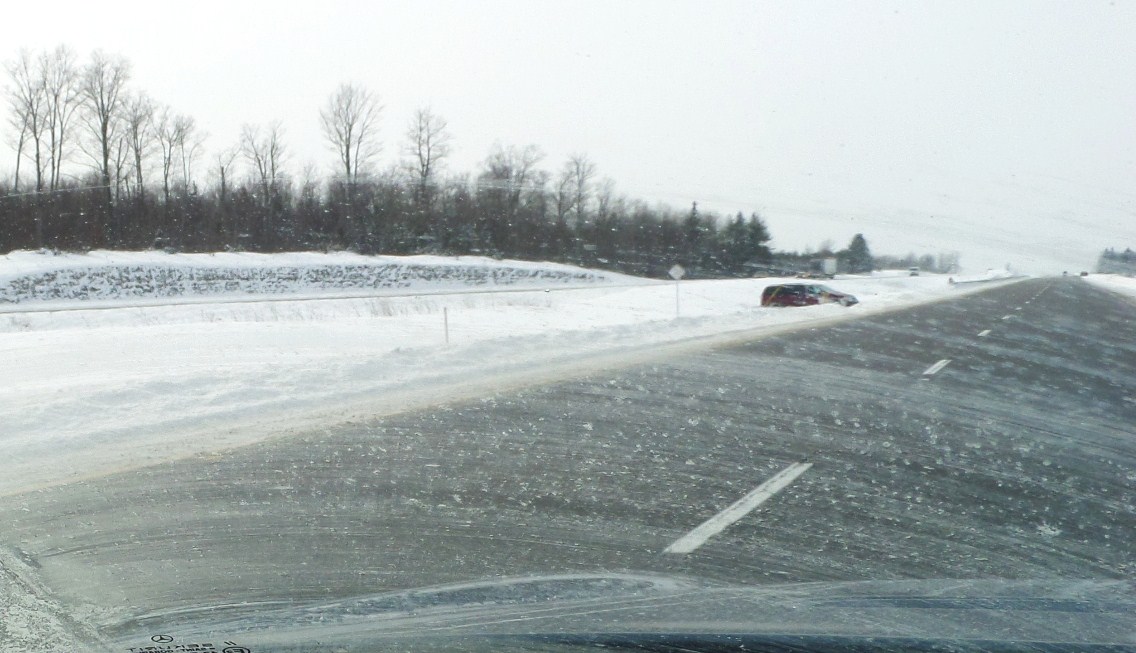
858 256
757 236
692 228
735 245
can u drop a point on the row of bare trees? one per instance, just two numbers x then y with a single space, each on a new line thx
111 167
73 121
44 96
126 132
125 137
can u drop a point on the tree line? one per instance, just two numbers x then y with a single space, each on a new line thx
944 263
100 164
1113 262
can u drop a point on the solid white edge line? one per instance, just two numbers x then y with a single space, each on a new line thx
936 367
739 509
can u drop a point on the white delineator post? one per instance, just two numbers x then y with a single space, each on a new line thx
677 272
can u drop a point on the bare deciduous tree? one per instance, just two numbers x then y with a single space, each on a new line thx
582 171
510 169
20 126
264 150
103 87
224 162
62 96
120 164
171 134
573 189
508 173
190 147
605 198
565 194
141 134
428 144
350 124
26 102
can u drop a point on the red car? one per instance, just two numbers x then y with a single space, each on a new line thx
801 294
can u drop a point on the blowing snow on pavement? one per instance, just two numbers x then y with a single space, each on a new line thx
97 385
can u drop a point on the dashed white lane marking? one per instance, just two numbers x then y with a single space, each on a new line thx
983 334
739 509
936 367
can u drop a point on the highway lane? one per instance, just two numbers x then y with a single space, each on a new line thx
1016 458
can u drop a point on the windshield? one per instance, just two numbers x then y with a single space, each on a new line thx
637 319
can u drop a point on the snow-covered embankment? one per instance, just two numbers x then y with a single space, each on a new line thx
87 391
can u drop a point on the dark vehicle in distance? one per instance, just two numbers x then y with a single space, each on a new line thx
803 294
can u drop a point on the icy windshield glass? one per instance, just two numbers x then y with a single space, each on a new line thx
335 325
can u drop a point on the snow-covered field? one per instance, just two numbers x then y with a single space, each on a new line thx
95 385
1114 282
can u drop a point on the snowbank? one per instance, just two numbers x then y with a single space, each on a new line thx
101 275
1114 282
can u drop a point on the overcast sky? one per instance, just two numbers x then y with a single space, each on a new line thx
1003 130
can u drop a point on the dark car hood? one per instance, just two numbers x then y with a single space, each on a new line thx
664 613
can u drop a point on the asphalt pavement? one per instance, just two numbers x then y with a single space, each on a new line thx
993 435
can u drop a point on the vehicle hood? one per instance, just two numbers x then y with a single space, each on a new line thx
663 613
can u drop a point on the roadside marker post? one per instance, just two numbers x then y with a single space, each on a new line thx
677 272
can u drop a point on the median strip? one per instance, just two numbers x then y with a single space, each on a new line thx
739 509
